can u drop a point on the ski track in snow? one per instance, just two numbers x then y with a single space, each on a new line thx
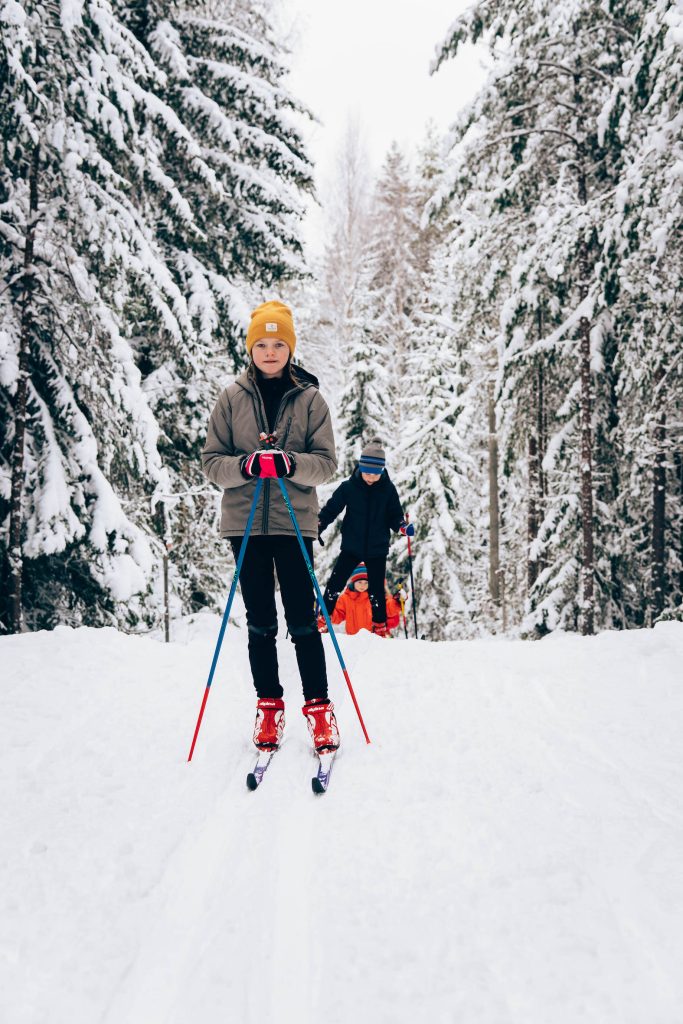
508 850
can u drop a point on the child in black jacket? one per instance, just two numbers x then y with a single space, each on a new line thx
372 510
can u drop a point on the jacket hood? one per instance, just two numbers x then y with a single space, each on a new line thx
305 378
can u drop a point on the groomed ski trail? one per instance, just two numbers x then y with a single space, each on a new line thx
507 851
222 914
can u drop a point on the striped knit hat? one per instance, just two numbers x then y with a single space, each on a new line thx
372 459
359 573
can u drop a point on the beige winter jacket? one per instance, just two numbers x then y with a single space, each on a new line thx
303 426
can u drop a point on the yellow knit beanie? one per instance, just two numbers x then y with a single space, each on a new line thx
272 320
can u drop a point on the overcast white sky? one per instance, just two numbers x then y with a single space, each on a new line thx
370 58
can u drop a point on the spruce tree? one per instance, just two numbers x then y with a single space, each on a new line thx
643 270
81 439
392 273
534 132
132 256
438 479
237 157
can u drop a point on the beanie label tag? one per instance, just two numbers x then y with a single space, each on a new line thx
271 328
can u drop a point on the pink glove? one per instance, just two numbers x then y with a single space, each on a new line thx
268 463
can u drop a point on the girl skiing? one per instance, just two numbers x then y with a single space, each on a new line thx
274 403
372 510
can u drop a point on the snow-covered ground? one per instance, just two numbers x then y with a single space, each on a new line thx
508 850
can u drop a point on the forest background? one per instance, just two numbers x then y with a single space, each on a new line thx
501 307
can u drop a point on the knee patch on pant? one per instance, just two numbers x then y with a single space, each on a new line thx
270 632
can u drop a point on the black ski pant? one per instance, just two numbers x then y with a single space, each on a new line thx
343 567
265 556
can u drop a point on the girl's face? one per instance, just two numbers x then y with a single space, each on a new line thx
270 356
361 586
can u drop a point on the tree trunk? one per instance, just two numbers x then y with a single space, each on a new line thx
15 553
494 516
658 515
168 544
542 430
587 567
533 514
536 453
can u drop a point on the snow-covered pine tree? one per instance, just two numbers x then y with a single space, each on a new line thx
436 474
385 293
392 271
326 308
430 232
237 158
482 235
365 407
345 199
239 162
643 271
80 437
117 246
538 119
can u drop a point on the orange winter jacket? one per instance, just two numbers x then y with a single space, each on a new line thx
355 609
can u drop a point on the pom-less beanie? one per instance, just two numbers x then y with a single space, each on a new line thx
372 459
272 320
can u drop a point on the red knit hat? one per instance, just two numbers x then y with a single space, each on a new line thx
359 573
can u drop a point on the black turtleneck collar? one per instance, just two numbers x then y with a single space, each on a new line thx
272 391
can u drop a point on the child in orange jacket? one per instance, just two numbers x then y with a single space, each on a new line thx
354 608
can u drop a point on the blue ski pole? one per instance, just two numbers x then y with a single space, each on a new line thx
321 602
233 588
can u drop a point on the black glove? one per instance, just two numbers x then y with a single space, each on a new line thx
320 534
267 463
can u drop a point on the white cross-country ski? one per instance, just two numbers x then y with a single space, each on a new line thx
255 778
321 781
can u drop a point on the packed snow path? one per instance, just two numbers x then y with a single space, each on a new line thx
509 850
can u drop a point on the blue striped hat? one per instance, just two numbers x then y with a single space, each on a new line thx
372 459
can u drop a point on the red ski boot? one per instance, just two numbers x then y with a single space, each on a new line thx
380 629
322 724
270 723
